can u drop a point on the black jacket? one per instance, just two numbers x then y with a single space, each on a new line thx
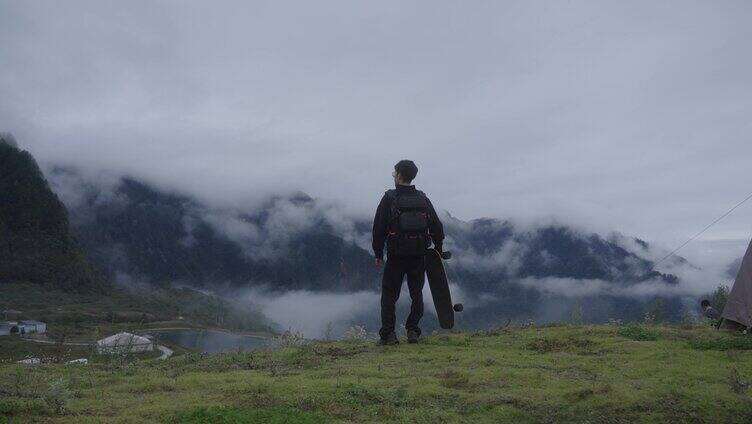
381 223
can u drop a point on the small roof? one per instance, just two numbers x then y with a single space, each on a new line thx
8 323
123 339
30 321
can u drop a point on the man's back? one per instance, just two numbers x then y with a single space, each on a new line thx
384 227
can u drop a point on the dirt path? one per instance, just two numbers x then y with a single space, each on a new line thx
166 352
52 342
218 330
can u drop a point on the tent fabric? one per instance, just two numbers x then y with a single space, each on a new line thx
739 304
124 342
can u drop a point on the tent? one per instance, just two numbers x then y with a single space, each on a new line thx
739 304
124 343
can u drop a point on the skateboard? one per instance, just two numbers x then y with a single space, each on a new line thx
437 281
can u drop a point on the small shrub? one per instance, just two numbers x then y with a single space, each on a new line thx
8 407
546 345
290 338
358 395
719 297
637 332
738 385
356 332
582 394
454 379
23 383
57 395
550 344
305 356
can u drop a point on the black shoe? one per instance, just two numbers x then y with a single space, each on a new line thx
389 340
412 336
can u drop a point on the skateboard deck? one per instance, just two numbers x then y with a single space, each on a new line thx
437 281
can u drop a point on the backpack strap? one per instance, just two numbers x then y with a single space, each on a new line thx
392 196
425 200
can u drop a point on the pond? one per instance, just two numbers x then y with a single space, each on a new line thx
209 341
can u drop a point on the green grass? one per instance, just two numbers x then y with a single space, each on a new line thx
637 332
600 374
228 415
722 343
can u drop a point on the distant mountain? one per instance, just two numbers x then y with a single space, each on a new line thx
44 271
138 232
36 245
132 230
292 243
499 249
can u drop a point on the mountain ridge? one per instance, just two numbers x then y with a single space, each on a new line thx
253 240
133 231
36 243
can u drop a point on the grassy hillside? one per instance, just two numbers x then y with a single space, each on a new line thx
554 374
86 316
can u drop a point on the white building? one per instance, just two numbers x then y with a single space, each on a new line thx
8 327
32 326
124 343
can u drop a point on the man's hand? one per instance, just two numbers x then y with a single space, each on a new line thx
379 262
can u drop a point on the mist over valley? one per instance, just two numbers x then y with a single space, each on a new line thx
308 266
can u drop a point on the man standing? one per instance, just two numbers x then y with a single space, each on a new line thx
407 223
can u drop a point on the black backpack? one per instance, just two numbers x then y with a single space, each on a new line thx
408 224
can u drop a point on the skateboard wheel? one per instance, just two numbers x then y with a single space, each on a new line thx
458 307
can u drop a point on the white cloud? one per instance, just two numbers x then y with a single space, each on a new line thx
283 220
617 116
692 282
312 313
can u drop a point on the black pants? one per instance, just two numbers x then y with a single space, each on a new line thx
395 270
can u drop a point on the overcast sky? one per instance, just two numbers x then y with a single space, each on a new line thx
632 116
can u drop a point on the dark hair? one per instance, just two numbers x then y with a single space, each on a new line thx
407 170
705 303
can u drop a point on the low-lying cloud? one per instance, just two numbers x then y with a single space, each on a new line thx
282 220
324 314
267 233
315 314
